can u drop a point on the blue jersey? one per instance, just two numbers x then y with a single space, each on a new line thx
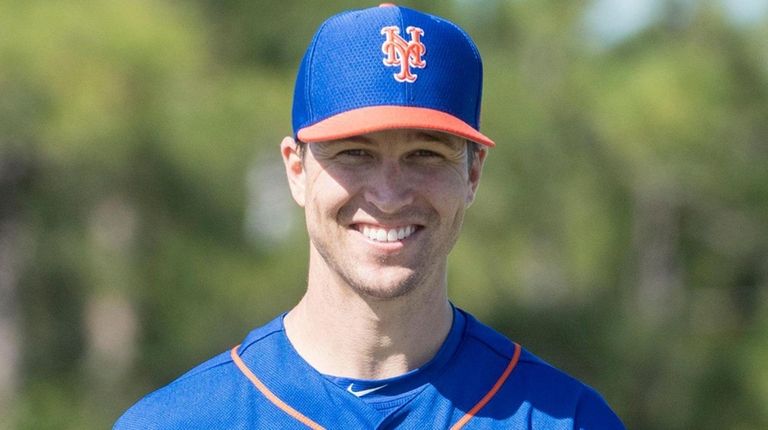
478 380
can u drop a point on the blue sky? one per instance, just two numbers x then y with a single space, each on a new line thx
610 21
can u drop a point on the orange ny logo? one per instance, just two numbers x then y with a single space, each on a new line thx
405 54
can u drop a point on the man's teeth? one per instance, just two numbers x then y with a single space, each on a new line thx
387 235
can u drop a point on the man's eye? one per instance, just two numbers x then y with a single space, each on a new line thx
425 153
354 153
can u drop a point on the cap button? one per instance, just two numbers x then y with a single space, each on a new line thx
386 5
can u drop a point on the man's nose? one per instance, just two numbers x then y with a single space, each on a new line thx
388 188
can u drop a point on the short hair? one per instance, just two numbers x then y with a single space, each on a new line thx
472 149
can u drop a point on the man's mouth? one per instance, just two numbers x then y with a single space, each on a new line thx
382 234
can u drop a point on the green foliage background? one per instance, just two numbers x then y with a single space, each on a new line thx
621 231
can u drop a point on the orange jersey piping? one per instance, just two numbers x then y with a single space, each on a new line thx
489 395
270 395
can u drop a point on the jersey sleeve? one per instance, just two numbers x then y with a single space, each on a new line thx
593 413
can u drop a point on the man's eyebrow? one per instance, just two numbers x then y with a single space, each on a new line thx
438 138
353 139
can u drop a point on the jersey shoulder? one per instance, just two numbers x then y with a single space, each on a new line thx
201 398
184 403
549 394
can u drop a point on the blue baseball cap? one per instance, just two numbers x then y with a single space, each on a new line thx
388 67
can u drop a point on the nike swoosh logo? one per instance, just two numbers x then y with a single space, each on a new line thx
361 393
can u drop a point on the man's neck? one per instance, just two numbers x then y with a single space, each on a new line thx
348 335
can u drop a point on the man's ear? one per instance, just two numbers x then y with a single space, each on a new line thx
474 174
294 168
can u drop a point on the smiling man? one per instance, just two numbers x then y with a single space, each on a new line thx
385 159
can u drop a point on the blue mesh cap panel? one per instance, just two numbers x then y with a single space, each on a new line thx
301 110
337 67
452 80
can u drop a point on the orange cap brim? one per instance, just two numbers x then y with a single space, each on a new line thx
377 118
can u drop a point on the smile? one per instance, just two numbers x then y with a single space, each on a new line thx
379 234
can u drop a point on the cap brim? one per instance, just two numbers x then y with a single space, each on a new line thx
377 118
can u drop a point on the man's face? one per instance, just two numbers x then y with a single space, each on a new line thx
383 210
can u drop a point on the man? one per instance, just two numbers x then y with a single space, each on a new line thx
385 159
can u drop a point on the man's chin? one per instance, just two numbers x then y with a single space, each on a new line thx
386 287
